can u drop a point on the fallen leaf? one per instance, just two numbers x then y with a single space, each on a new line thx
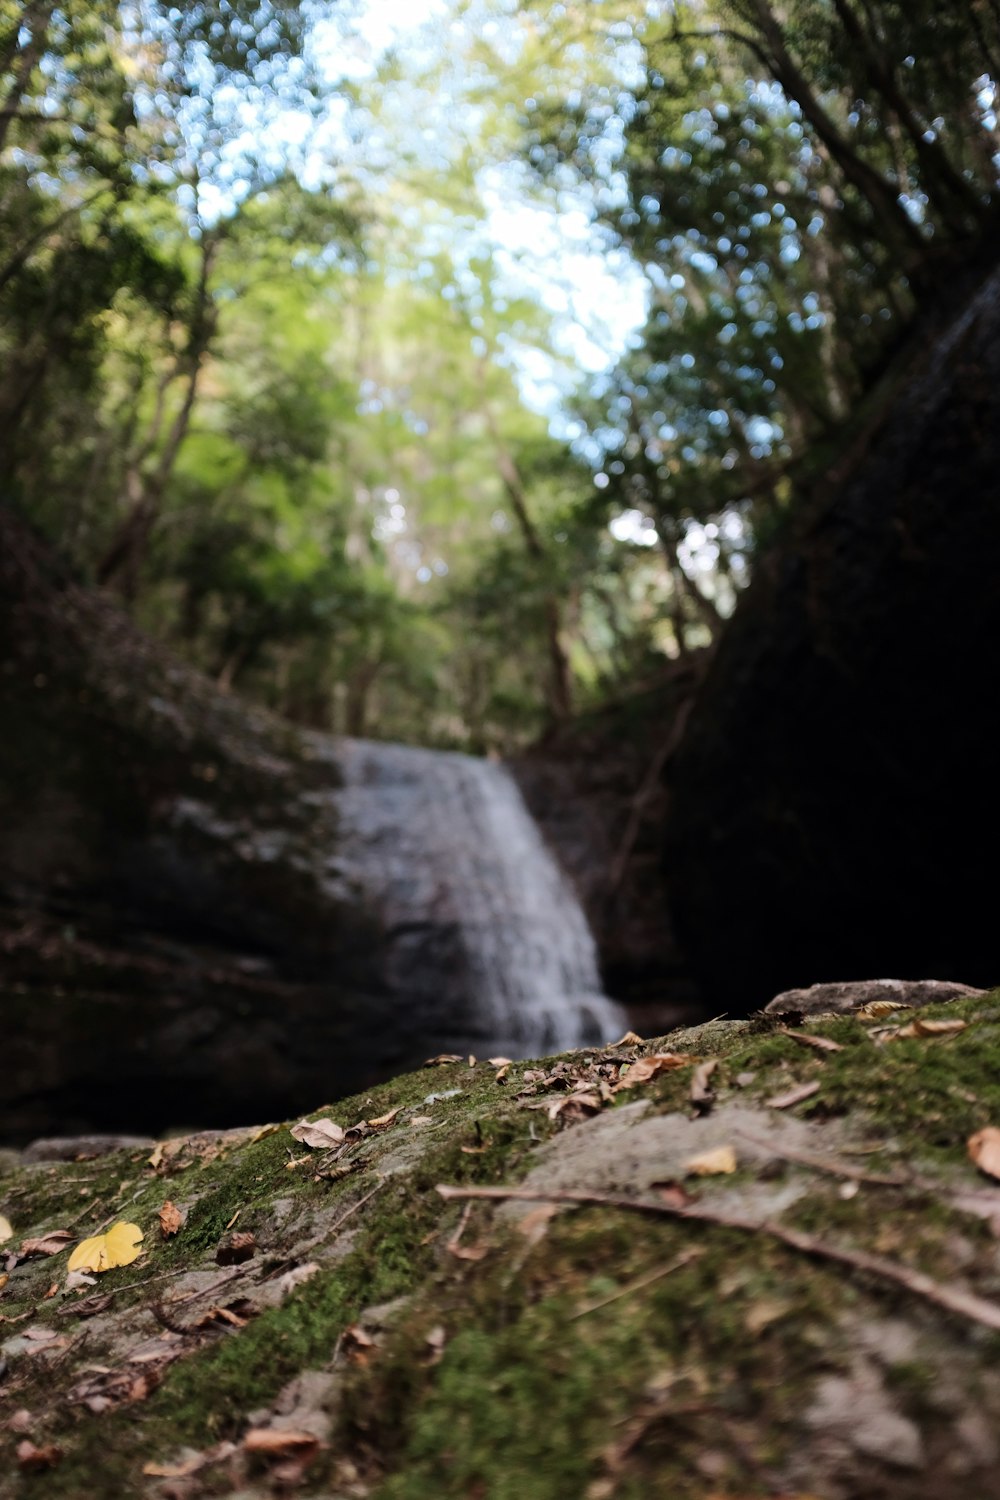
499 1062
422 1120
297 1161
501 1075
90 1306
6 1232
675 1194
711 1163
792 1096
876 1009
35 1459
434 1344
646 1068
77 1279
228 1315
819 1043
384 1121
356 1344
4 1278
273 1442
289 1280
628 1040
573 1106
919 1027
171 1219
700 1093
535 1224
984 1149
190 1465
441 1059
163 1151
120 1246
48 1244
232 1221
444 1094
237 1248
762 1313
265 1130
320 1134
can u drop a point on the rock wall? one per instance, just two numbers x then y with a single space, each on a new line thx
835 808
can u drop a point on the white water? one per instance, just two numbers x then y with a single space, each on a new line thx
485 930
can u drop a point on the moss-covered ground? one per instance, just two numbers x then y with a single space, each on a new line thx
542 1357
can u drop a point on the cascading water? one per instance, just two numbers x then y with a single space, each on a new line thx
485 932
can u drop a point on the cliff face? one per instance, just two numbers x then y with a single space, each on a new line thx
834 805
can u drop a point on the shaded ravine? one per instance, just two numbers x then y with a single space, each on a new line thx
485 933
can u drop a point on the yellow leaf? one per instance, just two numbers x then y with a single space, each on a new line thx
711 1163
102 1252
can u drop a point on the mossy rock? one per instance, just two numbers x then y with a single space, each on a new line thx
409 1346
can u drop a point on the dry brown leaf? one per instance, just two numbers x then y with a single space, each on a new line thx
434 1344
163 1151
711 1163
646 1068
357 1344
919 1027
876 1009
272 1442
384 1121
228 1315
673 1193
34 1459
499 1062
628 1040
701 1093
6 1232
574 1106
501 1074
442 1059
171 1219
319 1134
237 1248
535 1224
792 1096
818 1043
984 1149
4 1278
47 1244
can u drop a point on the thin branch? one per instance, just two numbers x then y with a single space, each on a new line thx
964 1304
684 1259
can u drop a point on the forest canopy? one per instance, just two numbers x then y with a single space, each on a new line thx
432 378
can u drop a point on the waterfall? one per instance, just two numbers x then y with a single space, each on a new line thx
485 933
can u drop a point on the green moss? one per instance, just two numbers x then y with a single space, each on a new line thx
531 1398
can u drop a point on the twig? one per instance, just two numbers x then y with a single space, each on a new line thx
639 1282
827 1164
952 1299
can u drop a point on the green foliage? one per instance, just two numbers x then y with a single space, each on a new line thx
267 387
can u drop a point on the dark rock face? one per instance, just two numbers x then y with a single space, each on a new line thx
177 943
835 805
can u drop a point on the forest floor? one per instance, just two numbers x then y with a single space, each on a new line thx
753 1258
